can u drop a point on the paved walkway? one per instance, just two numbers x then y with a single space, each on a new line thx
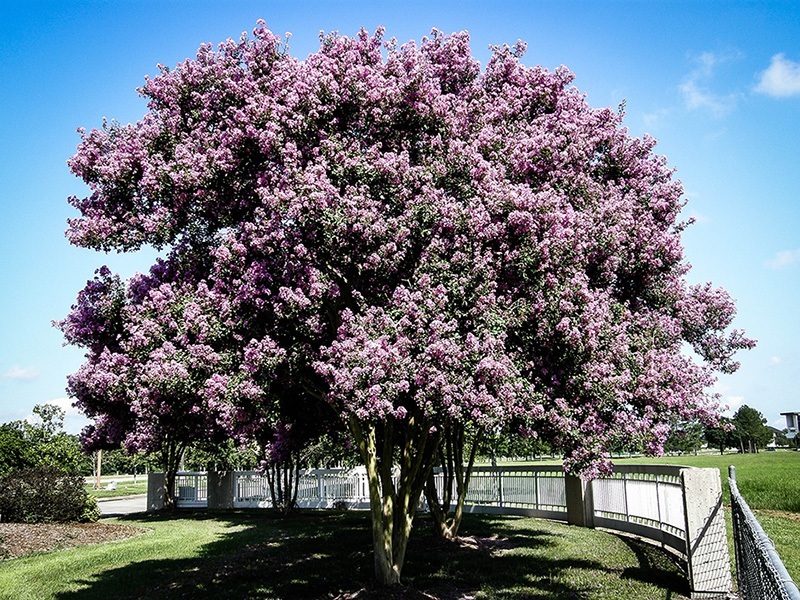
124 505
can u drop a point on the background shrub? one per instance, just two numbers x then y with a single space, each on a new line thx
45 494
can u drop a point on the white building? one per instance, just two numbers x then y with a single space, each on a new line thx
792 420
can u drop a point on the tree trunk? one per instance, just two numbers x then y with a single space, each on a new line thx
171 456
393 502
454 472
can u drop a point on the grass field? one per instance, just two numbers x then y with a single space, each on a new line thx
124 488
328 555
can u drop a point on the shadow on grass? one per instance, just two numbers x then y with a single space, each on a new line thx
328 555
656 566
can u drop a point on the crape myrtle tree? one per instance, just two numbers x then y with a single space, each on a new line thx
433 249
149 381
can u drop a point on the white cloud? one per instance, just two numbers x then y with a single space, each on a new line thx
657 118
784 259
781 79
21 373
775 360
694 89
734 403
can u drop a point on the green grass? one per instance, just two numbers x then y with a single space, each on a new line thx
767 480
255 554
124 488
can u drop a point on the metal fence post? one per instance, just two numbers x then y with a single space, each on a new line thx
320 486
500 487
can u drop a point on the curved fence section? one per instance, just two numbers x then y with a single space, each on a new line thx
679 508
760 572
646 501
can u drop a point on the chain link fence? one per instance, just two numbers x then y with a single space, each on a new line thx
759 570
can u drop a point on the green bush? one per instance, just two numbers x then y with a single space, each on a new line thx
45 494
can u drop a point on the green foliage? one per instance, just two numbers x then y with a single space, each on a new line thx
120 461
685 438
751 431
45 494
720 437
43 443
782 440
15 451
509 443
220 457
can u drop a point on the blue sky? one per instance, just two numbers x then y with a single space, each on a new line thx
717 83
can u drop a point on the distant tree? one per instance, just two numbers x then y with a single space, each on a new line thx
751 430
52 445
721 436
15 451
781 439
220 456
43 442
121 461
685 437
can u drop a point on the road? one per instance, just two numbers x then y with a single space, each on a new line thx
125 505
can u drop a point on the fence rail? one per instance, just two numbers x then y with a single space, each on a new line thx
643 501
760 572
677 507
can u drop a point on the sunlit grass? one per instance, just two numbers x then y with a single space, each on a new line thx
124 488
256 554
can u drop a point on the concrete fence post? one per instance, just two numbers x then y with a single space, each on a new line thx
580 505
220 489
706 538
156 491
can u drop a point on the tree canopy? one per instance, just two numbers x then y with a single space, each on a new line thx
401 242
41 443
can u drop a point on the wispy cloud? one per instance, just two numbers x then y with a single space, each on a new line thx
734 403
781 79
784 259
21 373
695 87
775 360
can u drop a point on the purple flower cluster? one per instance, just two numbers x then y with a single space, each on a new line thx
397 233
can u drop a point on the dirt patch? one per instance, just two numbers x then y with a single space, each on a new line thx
19 539
780 514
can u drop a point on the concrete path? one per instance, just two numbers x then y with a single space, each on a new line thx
125 505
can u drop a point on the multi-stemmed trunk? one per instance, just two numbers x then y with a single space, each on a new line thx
284 481
455 477
171 455
394 493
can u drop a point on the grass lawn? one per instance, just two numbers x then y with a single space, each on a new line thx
124 488
327 554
